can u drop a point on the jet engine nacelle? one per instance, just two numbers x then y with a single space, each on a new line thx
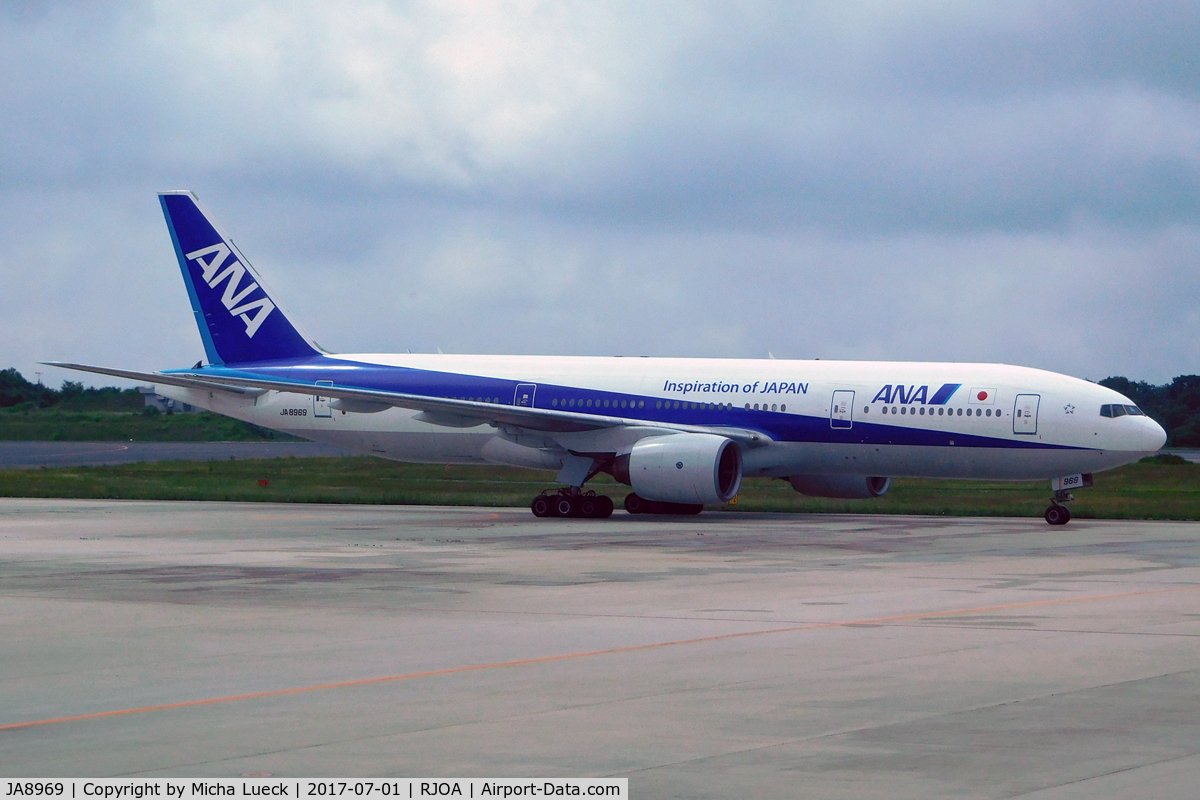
848 487
683 468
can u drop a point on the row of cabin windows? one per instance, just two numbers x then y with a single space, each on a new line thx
694 406
572 402
1113 410
942 410
1118 410
717 406
1105 411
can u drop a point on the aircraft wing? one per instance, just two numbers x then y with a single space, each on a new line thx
450 412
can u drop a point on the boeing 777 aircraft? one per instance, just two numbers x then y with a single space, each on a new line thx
681 432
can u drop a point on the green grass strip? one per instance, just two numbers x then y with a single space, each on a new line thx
55 425
1138 491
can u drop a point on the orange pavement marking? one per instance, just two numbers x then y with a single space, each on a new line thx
587 654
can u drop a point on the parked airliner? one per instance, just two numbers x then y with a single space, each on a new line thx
681 432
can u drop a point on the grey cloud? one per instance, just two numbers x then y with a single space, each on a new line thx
959 116
1012 181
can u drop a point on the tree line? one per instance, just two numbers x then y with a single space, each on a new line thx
17 392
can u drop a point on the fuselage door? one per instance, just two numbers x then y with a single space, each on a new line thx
523 396
841 412
321 404
1025 412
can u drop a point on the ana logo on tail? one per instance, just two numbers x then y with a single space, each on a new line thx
232 275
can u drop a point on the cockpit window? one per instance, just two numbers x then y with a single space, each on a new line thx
1119 410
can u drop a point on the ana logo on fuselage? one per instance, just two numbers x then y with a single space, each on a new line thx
904 394
232 299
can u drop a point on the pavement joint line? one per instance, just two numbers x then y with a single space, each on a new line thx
833 734
1102 775
590 654
1087 631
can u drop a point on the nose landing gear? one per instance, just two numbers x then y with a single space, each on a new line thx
1057 513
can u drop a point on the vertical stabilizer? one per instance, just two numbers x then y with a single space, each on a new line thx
240 319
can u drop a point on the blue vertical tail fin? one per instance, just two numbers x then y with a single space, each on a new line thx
240 319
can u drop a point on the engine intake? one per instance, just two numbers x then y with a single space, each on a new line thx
683 468
847 487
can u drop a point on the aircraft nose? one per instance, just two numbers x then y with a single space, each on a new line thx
1153 436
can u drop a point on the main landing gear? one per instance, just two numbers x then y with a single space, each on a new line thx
589 505
1057 513
572 503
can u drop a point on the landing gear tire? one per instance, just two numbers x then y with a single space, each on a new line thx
588 507
606 506
594 506
564 506
1058 515
541 506
636 505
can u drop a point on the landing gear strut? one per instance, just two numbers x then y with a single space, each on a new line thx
572 503
1057 513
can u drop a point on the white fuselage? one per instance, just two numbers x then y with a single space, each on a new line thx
816 417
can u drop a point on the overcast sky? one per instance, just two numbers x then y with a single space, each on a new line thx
1014 182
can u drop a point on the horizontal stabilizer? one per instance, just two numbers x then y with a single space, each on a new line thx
158 377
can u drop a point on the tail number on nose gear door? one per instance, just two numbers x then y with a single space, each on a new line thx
1071 482
294 412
